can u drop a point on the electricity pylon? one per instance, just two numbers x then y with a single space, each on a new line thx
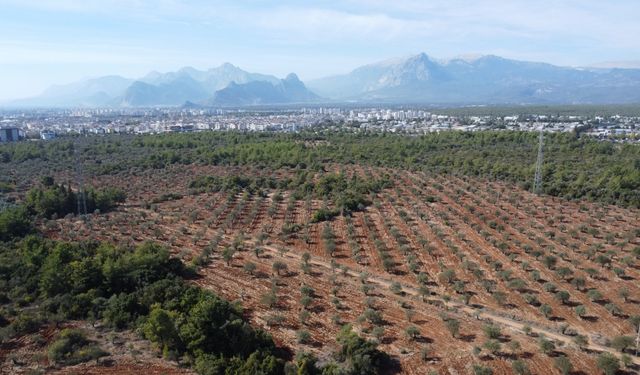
638 340
537 180
82 201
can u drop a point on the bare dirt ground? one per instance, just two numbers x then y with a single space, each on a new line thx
490 234
127 354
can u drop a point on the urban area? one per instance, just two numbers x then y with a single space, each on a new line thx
50 123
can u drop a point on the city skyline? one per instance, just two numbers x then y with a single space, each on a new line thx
56 42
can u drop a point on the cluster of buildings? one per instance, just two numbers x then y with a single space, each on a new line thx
11 134
48 124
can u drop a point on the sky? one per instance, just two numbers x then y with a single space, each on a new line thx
60 41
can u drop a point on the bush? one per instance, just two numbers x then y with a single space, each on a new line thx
72 347
563 296
58 200
453 325
122 310
26 323
482 370
546 346
622 342
546 310
608 363
563 364
493 346
14 223
491 331
395 288
412 332
303 337
160 328
359 356
249 267
324 214
520 367
373 316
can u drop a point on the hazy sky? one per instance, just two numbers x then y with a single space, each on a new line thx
59 41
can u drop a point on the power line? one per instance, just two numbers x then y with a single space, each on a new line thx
81 201
638 340
537 180
3 203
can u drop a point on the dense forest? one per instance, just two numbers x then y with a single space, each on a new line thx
53 200
574 167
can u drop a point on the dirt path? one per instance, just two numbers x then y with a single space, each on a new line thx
476 313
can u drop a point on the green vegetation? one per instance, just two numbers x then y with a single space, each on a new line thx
52 200
608 363
14 223
563 364
142 288
346 194
575 167
127 288
72 347
357 355
235 183
130 288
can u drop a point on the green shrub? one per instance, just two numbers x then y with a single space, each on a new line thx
14 223
608 363
72 347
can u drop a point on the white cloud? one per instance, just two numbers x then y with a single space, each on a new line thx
29 52
330 24
311 37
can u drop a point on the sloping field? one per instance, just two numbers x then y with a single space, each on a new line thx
446 272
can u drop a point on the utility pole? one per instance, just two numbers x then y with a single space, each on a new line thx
638 340
3 203
537 180
82 202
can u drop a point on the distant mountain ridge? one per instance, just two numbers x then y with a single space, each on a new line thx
480 80
226 85
418 79
93 92
288 90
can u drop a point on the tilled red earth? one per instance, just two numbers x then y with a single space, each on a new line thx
479 229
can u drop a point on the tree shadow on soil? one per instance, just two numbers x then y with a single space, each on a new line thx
424 340
388 340
317 309
391 366
590 318
284 353
526 355
468 338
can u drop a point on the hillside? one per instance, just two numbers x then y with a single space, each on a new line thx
358 253
481 80
289 90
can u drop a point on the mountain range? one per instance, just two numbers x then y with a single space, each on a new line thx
418 79
480 80
226 85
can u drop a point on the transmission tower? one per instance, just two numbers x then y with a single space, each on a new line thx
82 201
537 180
3 203
638 340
